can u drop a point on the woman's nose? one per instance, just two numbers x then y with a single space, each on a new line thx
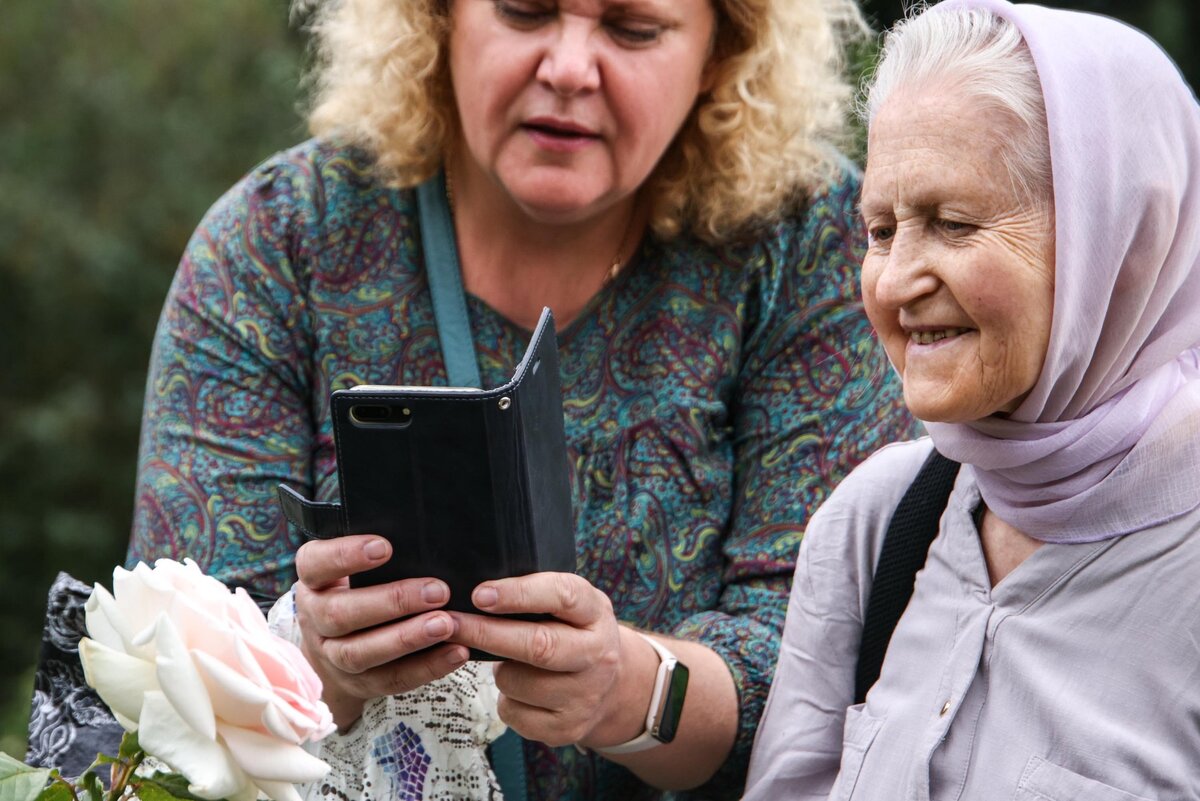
569 65
905 274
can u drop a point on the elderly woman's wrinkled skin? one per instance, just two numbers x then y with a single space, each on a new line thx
959 274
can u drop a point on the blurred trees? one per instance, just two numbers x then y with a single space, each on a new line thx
121 121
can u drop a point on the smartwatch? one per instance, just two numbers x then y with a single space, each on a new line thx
666 703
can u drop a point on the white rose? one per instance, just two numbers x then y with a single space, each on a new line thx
194 670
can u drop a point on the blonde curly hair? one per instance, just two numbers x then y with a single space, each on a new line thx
759 141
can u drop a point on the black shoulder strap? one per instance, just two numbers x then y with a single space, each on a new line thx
913 527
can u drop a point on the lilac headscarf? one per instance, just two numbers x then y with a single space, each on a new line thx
1108 441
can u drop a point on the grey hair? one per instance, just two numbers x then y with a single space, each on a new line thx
982 55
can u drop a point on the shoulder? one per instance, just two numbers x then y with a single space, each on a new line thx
883 476
814 250
811 250
837 196
830 206
823 233
310 207
304 185
854 518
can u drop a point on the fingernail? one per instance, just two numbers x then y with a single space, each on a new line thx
485 597
438 627
435 592
456 657
375 550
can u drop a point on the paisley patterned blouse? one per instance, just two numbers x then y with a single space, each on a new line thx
712 397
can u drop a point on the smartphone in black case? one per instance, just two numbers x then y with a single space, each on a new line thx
467 484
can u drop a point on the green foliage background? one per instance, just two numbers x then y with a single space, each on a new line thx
121 121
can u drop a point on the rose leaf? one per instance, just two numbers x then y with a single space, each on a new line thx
18 781
56 791
129 746
90 783
173 784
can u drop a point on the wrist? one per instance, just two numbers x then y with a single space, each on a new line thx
346 709
627 703
665 708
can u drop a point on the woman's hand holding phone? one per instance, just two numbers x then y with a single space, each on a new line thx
563 683
370 641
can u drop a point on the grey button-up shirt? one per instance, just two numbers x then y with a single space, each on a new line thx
1076 677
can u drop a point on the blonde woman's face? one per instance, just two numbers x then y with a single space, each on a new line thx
568 104
958 279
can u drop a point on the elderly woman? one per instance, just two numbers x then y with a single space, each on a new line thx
659 174
1031 197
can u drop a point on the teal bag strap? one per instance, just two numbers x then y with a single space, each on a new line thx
445 284
508 763
458 352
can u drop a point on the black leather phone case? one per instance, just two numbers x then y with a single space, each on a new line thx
467 484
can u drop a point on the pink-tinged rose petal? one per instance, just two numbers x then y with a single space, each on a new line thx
120 680
277 660
175 576
267 759
200 626
246 614
180 680
235 699
214 637
278 791
247 662
309 716
208 766
307 679
152 579
206 583
228 696
141 594
275 722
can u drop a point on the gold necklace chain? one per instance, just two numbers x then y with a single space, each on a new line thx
618 260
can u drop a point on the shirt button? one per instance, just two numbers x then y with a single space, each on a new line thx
945 709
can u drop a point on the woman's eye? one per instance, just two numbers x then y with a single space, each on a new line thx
522 14
879 234
955 227
634 34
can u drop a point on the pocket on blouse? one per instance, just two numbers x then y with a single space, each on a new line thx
1045 781
858 734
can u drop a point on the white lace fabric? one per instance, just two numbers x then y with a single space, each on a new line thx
426 745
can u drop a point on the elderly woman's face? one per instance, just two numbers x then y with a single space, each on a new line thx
959 274
569 104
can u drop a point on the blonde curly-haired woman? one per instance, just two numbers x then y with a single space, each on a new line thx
660 174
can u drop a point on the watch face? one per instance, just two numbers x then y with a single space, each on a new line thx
672 704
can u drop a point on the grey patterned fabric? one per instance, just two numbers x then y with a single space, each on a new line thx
68 723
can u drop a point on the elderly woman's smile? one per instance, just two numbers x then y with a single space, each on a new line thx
959 274
926 337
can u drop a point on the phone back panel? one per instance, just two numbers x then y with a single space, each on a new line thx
426 486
